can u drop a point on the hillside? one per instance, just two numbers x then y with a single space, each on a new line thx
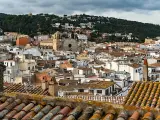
43 23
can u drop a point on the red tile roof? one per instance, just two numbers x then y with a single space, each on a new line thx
96 85
154 65
9 88
135 65
43 76
24 107
66 65
144 94
117 54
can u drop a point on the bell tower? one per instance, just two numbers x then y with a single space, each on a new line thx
56 40
145 70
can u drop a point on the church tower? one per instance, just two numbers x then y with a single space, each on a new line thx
56 40
145 70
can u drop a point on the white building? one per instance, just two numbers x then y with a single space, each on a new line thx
154 54
153 60
11 71
16 50
102 88
42 37
135 70
154 71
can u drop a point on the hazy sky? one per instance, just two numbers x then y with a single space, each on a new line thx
137 10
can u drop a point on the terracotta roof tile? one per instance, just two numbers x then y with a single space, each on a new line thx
22 89
66 65
154 65
144 94
43 76
53 108
149 116
135 65
97 84
135 116
117 54
84 68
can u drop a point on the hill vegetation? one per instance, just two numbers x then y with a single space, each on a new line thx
43 23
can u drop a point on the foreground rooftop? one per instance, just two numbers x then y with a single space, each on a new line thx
27 106
144 94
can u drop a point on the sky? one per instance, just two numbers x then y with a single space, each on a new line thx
147 11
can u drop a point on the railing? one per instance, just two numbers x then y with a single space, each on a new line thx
111 99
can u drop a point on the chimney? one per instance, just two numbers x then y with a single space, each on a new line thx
53 87
44 83
2 69
145 70
72 77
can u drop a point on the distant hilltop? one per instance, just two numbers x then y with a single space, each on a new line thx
49 23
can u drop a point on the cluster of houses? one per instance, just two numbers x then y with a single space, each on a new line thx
79 67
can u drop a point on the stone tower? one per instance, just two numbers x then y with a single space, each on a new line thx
2 69
56 40
53 87
145 70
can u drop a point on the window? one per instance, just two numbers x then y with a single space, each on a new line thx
153 70
157 76
113 88
107 92
11 63
91 91
70 47
8 72
28 68
99 91
152 76
81 90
